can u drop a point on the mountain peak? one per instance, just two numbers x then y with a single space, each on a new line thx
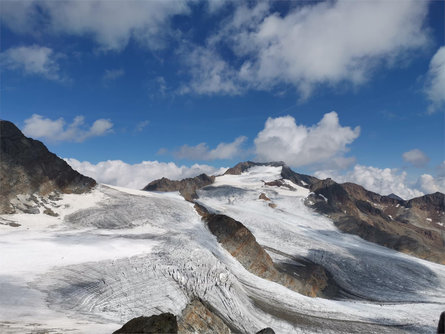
27 168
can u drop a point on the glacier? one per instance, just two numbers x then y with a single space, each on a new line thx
114 254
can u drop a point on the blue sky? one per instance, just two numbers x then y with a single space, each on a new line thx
109 85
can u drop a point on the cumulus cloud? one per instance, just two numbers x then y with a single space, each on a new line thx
429 184
284 140
32 60
355 37
202 151
112 24
416 157
137 176
382 181
38 126
435 88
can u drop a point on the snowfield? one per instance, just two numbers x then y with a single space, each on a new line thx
115 254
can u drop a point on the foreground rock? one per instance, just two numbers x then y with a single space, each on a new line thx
186 187
27 169
198 319
162 323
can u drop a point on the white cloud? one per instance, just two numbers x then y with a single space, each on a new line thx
32 60
283 140
209 72
435 89
326 42
112 24
137 176
202 151
416 157
382 181
38 126
111 75
429 184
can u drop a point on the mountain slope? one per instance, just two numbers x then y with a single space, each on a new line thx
28 168
415 227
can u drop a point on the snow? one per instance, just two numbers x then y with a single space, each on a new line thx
115 254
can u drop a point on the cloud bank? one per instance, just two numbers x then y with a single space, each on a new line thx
137 176
270 48
38 126
112 24
297 145
387 180
254 46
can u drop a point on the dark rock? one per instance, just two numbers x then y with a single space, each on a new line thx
441 326
186 187
394 196
27 167
264 197
267 330
299 179
162 323
50 212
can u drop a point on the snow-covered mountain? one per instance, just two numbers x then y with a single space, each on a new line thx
250 249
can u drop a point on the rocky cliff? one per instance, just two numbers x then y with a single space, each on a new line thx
27 168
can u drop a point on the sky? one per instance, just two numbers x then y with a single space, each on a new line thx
130 91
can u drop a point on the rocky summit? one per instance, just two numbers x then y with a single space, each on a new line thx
28 169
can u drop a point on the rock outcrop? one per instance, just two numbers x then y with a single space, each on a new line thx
242 245
267 330
415 227
197 318
163 323
186 187
27 168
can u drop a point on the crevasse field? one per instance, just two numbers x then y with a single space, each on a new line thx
115 254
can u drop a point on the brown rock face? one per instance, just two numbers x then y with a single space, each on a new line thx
198 319
163 323
416 227
186 187
242 245
27 167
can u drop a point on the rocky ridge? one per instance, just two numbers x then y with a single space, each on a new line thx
186 187
28 171
415 227
241 244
